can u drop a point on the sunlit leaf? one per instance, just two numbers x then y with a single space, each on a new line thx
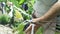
21 1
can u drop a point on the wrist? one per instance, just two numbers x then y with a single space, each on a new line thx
40 19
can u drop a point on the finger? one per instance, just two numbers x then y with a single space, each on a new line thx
29 28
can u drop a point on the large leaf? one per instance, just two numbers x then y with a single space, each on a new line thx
18 15
20 27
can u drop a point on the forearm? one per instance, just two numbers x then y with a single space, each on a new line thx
51 13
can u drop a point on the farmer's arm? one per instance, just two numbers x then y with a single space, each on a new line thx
49 15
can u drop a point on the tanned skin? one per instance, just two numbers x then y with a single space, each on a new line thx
48 16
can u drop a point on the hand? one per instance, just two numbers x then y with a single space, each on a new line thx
37 20
28 30
34 20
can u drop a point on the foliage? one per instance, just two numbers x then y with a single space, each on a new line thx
20 28
4 19
3 0
18 15
40 30
19 25
57 32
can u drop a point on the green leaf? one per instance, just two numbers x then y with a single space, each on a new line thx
21 1
20 27
40 30
21 32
